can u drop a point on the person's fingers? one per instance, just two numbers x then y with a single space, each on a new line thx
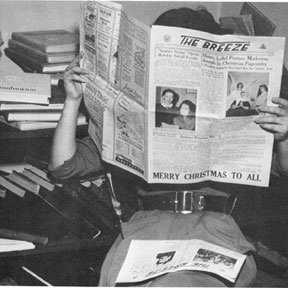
77 78
278 111
275 128
268 120
77 59
75 62
283 103
76 70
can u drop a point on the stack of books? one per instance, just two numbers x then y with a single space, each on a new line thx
24 178
26 102
48 51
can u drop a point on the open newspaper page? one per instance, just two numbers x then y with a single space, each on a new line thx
221 81
116 54
150 258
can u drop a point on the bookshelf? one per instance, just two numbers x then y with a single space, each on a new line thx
71 249
16 145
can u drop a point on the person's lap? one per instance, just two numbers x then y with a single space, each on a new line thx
217 228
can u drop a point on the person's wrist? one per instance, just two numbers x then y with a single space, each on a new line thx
74 100
72 103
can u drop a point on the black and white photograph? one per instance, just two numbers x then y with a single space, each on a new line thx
165 257
143 121
247 93
211 257
176 108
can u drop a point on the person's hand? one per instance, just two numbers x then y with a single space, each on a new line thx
74 76
276 119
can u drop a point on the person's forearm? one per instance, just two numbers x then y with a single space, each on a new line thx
64 140
282 156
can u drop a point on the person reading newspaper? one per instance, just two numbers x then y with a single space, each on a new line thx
72 157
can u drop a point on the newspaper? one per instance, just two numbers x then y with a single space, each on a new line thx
132 64
150 258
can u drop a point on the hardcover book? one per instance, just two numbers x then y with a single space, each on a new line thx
39 172
34 64
59 57
34 116
18 166
240 25
24 182
42 182
38 125
29 107
50 41
8 245
12 187
25 88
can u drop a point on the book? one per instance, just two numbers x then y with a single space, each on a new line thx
39 172
22 236
33 63
23 98
36 178
49 41
45 116
27 107
23 181
10 167
240 25
38 125
38 54
12 187
9 245
263 26
25 88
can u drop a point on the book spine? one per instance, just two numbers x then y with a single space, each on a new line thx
47 185
31 107
38 125
33 63
47 117
11 187
38 45
22 59
24 182
39 172
32 126
23 98
41 45
23 48
10 234
42 56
